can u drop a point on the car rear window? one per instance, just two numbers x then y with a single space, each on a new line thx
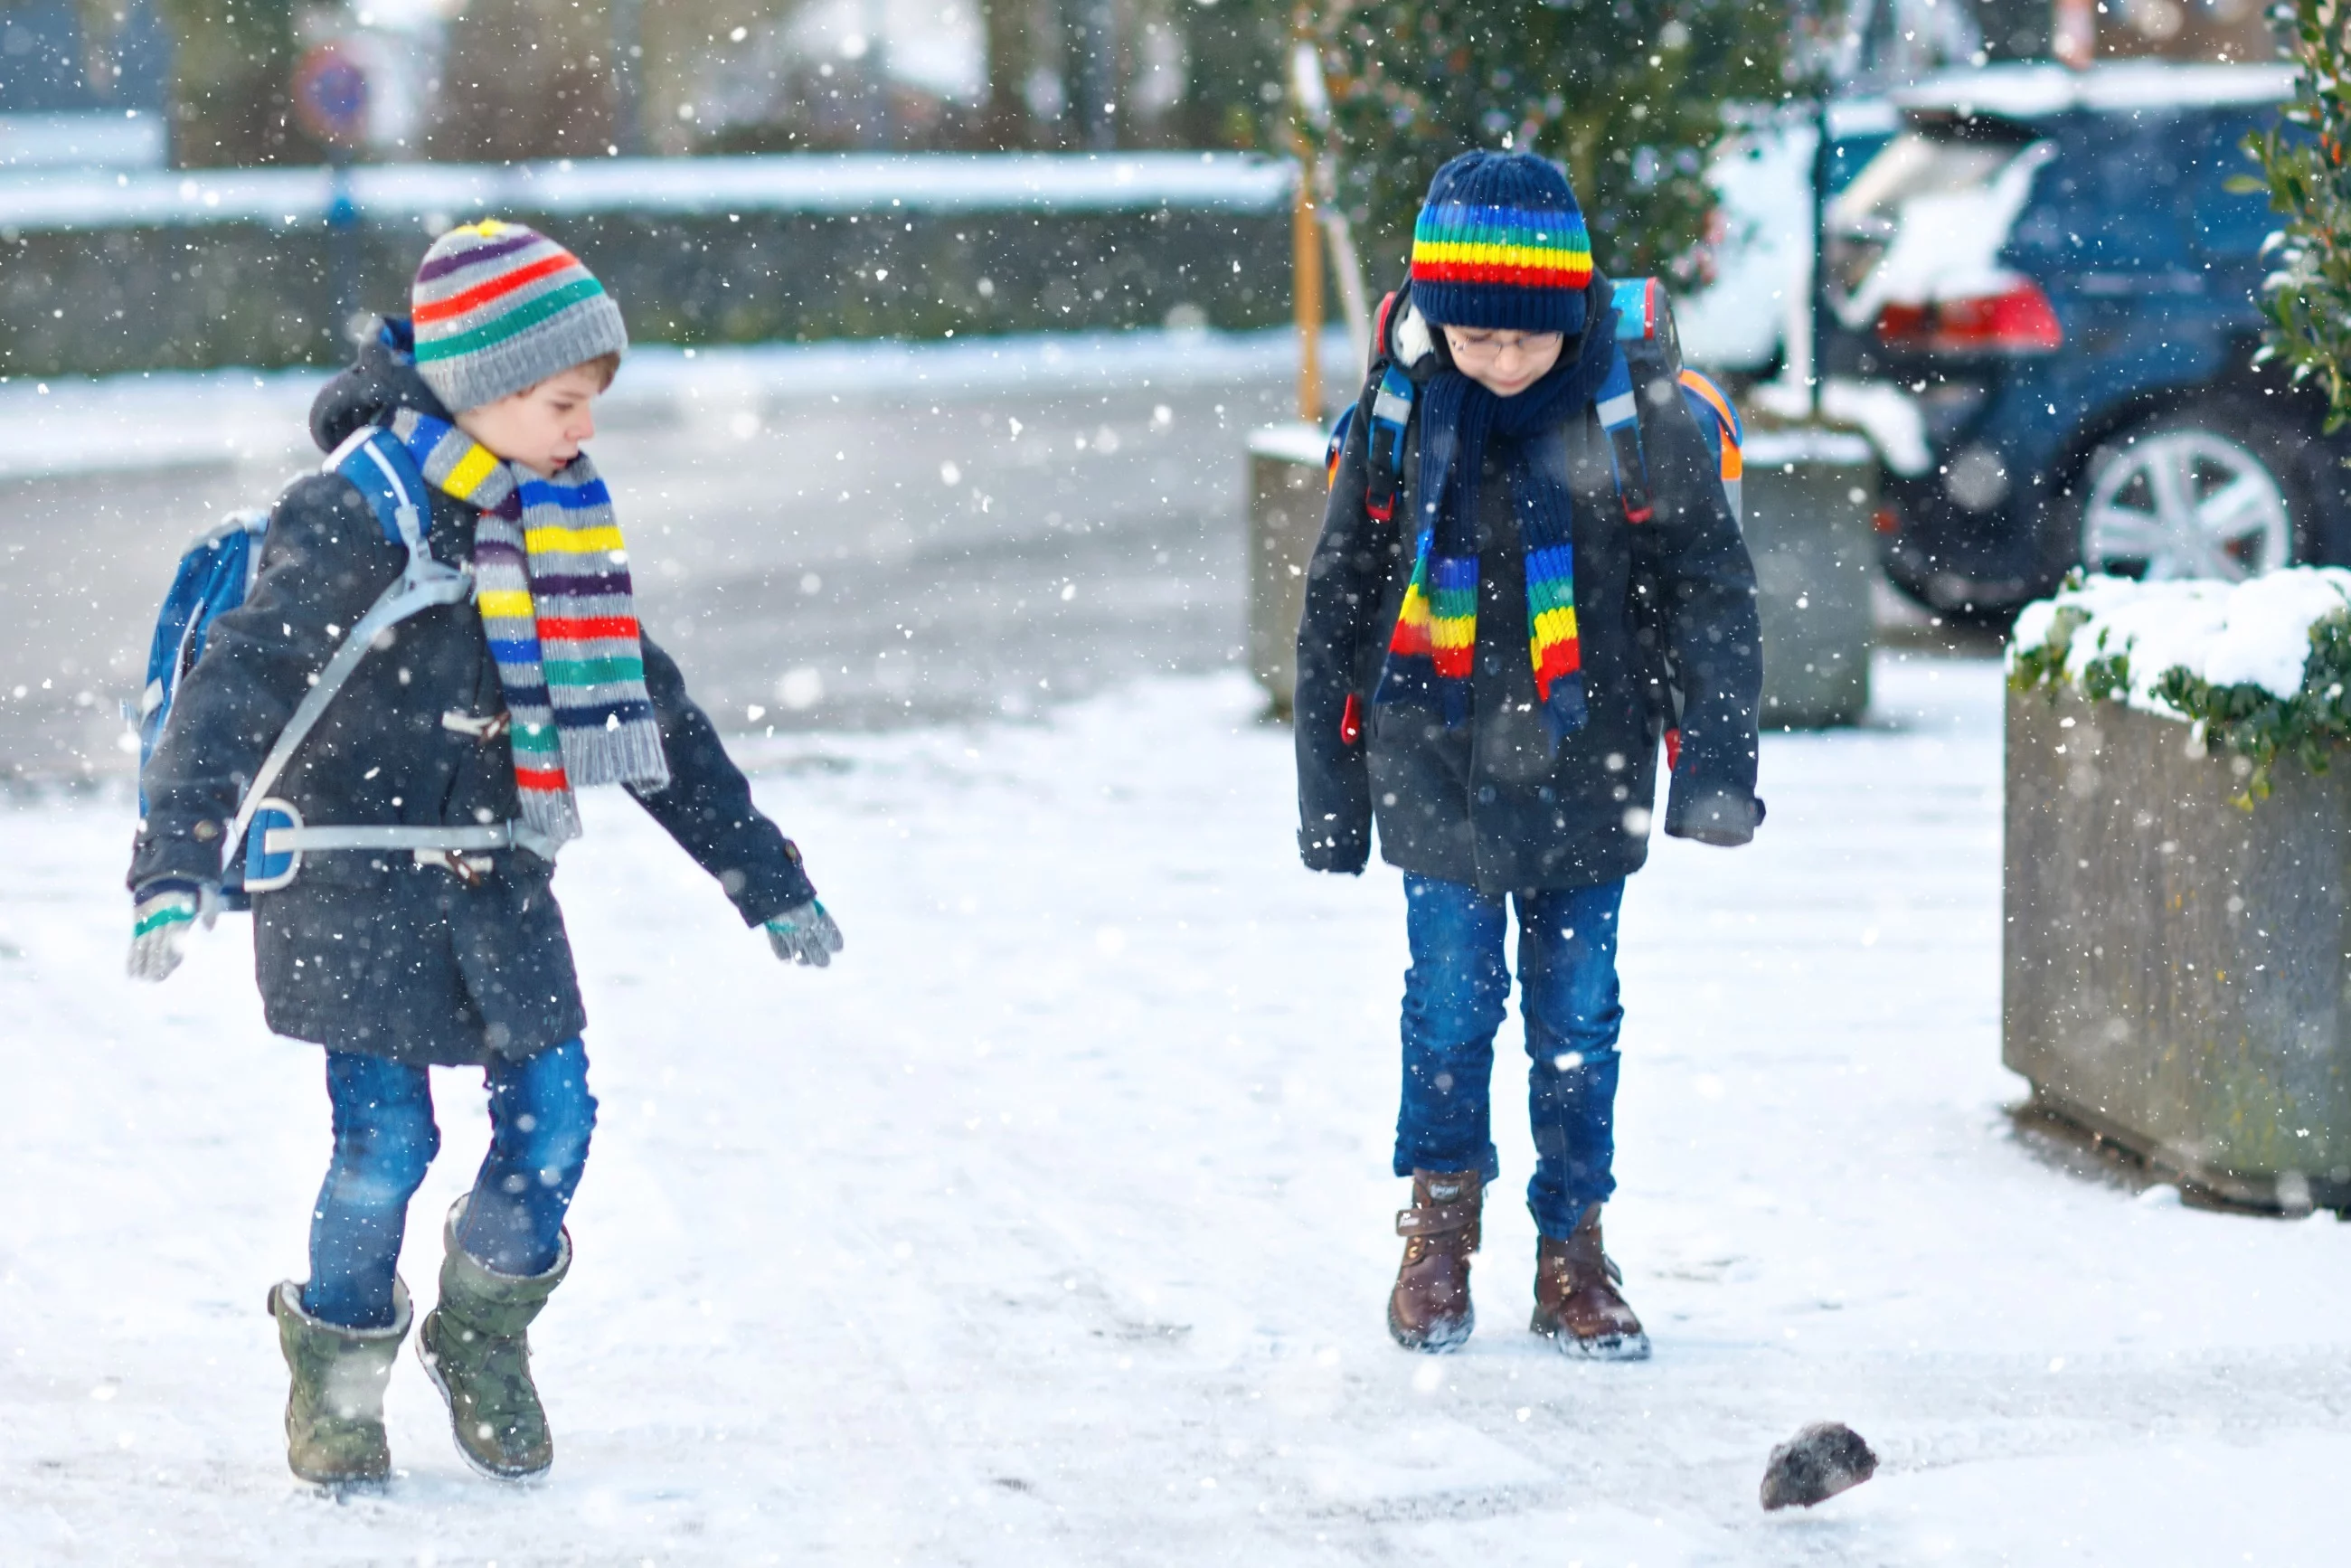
1921 161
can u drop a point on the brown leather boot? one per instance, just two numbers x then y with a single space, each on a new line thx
1577 1305
1429 1308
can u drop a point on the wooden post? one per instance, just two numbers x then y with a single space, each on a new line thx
1306 288
2074 32
1305 222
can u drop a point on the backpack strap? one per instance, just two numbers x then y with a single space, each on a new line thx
1714 410
376 463
1620 417
1338 447
1391 411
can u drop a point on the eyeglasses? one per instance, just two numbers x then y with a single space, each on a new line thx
1483 342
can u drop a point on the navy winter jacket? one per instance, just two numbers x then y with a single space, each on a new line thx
1488 804
375 952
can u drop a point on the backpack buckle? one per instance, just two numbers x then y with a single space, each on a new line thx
267 866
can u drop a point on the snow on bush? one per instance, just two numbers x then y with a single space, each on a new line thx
2259 667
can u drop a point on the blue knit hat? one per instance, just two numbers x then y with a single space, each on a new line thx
1502 244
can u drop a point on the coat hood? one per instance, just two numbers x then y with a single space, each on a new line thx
381 382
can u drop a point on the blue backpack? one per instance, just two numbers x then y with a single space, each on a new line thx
215 576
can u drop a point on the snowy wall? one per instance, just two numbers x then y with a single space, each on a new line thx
118 273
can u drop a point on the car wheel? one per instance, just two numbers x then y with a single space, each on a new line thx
2201 493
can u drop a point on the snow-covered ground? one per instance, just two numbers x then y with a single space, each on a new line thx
1053 1228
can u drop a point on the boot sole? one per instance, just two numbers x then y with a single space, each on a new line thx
1602 1347
432 1371
1441 1339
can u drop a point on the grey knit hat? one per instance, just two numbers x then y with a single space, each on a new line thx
498 308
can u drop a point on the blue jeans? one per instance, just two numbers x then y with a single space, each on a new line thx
540 1118
1455 996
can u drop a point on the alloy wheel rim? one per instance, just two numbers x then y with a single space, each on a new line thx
2186 503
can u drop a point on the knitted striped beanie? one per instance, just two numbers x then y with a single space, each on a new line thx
1500 244
498 309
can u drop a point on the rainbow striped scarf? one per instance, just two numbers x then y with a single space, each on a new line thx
552 578
1433 650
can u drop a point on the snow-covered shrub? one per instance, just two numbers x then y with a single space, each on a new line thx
2260 668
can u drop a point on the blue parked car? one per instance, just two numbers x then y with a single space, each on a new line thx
2042 302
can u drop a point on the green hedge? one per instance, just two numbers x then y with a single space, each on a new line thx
2234 720
98 301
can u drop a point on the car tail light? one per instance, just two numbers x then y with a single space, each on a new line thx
2017 319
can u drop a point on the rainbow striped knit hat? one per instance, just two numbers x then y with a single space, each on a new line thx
498 308
1500 244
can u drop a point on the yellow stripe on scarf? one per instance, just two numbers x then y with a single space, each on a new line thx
1555 626
574 542
505 603
470 471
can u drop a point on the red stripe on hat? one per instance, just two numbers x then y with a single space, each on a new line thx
483 293
588 628
1520 277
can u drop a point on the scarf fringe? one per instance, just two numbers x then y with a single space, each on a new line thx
552 814
629 754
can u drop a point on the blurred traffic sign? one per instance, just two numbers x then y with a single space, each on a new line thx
330 94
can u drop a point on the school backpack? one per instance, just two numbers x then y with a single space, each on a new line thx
214 577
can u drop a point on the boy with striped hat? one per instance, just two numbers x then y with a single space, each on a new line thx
1473 676
407 945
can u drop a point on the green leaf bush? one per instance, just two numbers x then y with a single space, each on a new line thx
2308 297
2240 720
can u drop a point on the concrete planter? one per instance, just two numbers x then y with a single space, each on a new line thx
2176 972
1809 496
1288 487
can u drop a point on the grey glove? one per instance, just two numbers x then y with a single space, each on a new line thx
805 934
160 923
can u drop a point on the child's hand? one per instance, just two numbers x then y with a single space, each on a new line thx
160 923
805 934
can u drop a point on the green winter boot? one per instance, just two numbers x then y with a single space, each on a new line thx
473 1346
334 1412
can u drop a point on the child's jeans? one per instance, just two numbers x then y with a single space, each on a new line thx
540 1118
1455 996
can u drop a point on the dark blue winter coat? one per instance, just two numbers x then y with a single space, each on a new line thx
377 953
1488 804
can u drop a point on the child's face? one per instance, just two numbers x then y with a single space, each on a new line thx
1504 363
541 427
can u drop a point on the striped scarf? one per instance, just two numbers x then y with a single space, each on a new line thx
552 578
1433 650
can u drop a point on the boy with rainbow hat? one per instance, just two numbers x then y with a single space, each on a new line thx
1485 613
447 763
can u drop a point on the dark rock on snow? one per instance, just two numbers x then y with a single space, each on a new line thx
1817 1463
